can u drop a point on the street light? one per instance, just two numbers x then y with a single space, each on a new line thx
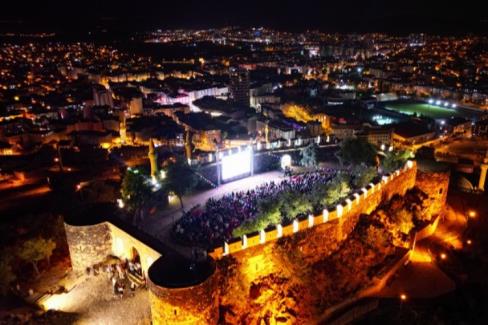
443 256
472 214
403 297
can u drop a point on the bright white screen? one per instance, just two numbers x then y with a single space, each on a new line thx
236 164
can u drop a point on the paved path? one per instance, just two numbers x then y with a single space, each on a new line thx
92 302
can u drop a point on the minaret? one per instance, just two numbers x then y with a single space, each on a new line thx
152 159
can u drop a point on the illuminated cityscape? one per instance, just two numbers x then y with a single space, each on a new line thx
243 163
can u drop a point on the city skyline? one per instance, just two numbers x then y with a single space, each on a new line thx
355 16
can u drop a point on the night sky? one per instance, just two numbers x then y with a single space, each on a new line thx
340 15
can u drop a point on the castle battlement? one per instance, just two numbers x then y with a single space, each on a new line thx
342 210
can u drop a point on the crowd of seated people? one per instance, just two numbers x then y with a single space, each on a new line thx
215 222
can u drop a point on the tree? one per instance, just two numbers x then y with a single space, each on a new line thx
337 189
309 155
181 179
294 204
394 160
7 276
136 192
363 175
35 250
357 151
269 215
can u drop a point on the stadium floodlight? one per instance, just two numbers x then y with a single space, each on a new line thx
446 104
236 164
443 122
431 101
454 105
437 102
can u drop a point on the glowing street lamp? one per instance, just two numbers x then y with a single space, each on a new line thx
403 297
472 214
443 256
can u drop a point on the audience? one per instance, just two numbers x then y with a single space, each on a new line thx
215 222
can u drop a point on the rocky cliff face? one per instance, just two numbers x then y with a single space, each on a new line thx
295 278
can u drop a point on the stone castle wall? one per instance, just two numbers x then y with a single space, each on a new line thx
248 271
92 244
435 185
124 246
274 265
88 245
192 305
331 227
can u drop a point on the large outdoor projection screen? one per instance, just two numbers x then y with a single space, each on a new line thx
236 164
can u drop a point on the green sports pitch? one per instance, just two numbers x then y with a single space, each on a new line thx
432 111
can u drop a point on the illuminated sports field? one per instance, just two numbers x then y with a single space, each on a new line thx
432 111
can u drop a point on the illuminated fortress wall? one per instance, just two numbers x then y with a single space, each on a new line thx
435 185
270 274
197 304
88 245
125 246
325 231
269 268
92 244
